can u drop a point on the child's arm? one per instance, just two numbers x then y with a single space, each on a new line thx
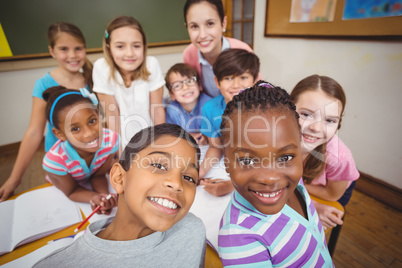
98 181
100 185
200 138
331 192
212 156
29 145
157 111
329 216
71 189
217 187
112 112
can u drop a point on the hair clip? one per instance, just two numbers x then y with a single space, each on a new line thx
266 84
91 96
106 34
244 89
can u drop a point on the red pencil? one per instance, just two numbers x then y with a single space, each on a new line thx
93 212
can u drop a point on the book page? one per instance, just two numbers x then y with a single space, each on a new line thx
30 259
6 225
41 212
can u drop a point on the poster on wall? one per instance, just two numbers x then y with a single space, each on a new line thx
312 10
366 9
5 50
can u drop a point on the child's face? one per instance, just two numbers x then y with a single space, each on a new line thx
205 28
80 126
264 158
127 49
231 85
188 94
69 52
160 186
319 118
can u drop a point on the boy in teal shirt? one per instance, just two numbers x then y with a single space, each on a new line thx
235 70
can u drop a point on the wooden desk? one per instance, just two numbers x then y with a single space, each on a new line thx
34 245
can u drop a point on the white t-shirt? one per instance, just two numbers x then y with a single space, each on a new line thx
133 101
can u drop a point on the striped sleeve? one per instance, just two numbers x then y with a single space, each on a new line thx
54 162
111 145
240 246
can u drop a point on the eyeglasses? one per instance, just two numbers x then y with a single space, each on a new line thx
176 86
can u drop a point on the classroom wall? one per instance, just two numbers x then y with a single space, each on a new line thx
370 73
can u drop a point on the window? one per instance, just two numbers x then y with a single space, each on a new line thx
240 15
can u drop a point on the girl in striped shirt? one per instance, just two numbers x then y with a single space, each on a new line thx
78 162
270 220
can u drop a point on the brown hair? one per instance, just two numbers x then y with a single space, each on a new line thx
119 22
184 70
53 33
217 4
71 97
314 164
235 61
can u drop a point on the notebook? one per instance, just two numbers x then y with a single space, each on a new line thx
33 215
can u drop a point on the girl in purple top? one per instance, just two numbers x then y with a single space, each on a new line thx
329 168
270 220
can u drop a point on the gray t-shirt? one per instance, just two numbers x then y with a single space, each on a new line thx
183 245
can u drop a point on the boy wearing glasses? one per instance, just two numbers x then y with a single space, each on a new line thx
235 70
185 110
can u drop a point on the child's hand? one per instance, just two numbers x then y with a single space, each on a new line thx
106 205
217 187
200 139
7 189
329 216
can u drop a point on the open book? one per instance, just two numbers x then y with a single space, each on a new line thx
33 215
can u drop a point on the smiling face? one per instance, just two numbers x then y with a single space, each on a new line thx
79 124
127 49
159 188
188 95
231 85
319 118
205 28
264 158
69 52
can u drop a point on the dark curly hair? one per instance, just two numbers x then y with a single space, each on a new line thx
262 96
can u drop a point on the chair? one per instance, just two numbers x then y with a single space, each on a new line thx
340 204
333 238
334 232
337 229
212 259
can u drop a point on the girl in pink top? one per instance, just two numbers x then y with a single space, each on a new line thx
329 168
77 164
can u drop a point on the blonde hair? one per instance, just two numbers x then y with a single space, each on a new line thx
125 21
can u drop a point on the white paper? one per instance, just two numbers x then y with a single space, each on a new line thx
210 208
37 214
30 259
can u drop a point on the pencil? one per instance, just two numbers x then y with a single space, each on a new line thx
93 212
